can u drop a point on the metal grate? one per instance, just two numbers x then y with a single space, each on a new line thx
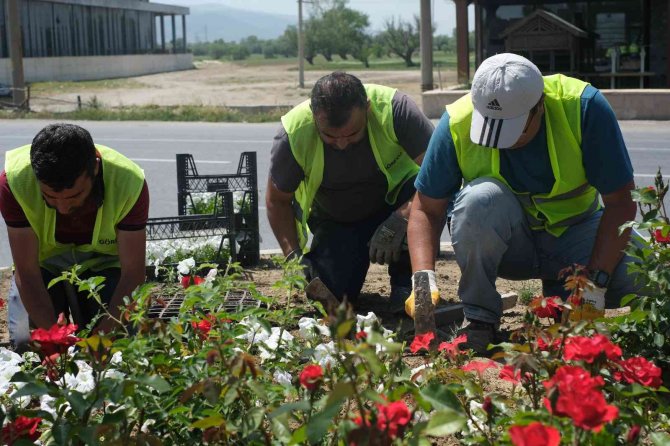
235 301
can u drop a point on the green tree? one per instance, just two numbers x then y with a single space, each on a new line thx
287 43
402 38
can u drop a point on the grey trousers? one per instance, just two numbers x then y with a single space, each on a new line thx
492 238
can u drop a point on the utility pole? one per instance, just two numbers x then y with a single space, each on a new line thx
426 46
16 52
301 48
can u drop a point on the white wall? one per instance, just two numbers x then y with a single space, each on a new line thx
39 69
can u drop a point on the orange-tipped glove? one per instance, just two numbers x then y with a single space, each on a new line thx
434 292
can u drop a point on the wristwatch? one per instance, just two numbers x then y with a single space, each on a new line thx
599 278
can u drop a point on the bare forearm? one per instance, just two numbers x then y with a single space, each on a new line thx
422 235
36 300
282 222
609 245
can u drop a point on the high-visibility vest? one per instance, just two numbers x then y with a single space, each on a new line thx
307 148
571 198
123 180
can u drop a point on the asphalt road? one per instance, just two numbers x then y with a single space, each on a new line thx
216 148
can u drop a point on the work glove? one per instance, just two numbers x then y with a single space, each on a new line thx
593 304
386 244
308 271
434 292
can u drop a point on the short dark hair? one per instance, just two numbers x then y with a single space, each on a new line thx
336 94
60 153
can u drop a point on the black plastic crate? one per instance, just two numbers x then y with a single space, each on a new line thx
235 301
221 224
244 185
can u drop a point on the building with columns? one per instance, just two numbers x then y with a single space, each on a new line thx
93 39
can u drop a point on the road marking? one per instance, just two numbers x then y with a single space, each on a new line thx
648 175
647 149
160 160
168 140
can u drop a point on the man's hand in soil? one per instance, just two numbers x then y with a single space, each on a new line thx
308 270
387 242
434 292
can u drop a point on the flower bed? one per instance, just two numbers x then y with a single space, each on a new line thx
270 375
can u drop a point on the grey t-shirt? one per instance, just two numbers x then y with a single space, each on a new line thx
353 186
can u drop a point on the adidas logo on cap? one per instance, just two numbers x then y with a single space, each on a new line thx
494 105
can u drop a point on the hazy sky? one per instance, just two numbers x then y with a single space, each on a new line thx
377 10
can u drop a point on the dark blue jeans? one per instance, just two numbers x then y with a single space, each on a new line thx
340 251
19 322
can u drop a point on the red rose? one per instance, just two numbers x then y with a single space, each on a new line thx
479 366
311 376
633 434
535 434
23 428
658 235
56 339
545 346
198 280
451 348
203 326
582 348
421 341
185 281
579 398
361 335
639 370
393 417
546 307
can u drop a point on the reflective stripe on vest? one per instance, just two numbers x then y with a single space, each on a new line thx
307 148
571 198
123 180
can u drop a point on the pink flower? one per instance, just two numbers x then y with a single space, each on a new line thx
509 373
479 366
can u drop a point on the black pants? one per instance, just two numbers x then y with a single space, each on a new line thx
340 251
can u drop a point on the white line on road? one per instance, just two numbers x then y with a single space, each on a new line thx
648 175
648 149
158 160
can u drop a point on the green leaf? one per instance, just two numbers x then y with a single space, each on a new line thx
340 392
290 407
659 339
445 422
344 328
251 420
205 423
320 423
31 389
440 397
660 438
281 429
299 436
155 382
77 402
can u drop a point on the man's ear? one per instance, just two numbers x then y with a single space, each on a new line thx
367 108
97 166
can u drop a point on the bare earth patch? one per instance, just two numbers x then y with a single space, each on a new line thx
216 83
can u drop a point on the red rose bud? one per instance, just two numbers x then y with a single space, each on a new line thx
23 428
393 417
185 281
311 376
361 335
487 406
633 434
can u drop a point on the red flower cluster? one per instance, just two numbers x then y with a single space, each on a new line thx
639 370
203 326
311 376
479 366
421 341
660 238
545 346
56 339
579 397
546 307
509 373
187 281
451 348
582 348
23 428
393 417
535 434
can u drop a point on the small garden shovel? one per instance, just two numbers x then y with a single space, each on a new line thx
318 291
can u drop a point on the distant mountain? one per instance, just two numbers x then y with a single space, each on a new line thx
211 22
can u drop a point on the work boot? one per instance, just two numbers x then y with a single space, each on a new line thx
399 295
480 334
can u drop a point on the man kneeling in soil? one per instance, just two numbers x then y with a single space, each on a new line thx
343 165
68 201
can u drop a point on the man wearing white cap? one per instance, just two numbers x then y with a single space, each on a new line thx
533 155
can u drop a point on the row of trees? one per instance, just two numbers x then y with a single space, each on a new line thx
332 29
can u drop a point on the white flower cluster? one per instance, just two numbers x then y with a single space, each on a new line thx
266 340
159 252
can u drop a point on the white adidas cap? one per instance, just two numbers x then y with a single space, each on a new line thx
505 87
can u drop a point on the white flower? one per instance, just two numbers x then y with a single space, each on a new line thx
366 321
211 275
83 382
184 267
309 328
8 357
256 332
272 342
478 416
47 404
282 377
146 425
325 354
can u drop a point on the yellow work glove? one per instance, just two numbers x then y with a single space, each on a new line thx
434 292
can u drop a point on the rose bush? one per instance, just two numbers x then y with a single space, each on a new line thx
273 375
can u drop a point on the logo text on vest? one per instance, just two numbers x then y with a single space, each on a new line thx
395 160
107 241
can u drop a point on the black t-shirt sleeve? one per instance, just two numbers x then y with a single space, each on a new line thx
285 172
412 128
